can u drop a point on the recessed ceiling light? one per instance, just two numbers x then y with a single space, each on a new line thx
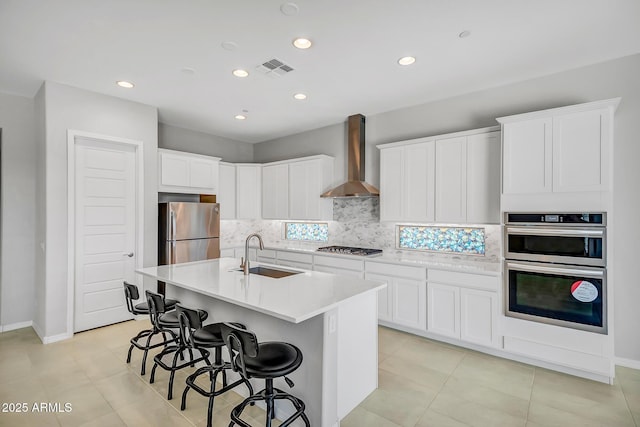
240 117
464 34
302 43
406 60
124 84
300 96
240 73
289 9
229 45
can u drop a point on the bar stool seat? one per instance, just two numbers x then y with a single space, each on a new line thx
268 360
202 339
174 319
143 307
274 359
131 295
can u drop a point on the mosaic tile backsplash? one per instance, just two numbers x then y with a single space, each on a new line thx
307 231
442 239
356 224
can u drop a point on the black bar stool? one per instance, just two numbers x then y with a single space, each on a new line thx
131 294
202 338
267 360
171 320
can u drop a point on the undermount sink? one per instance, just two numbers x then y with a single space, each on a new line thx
274 273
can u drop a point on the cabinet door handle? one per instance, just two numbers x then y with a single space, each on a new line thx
130 254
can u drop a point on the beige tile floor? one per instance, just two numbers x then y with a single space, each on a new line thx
421 383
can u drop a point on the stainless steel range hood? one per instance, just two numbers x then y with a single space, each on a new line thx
355 185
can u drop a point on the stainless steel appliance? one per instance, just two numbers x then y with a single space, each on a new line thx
348 250
555 269
577 239
188 232
355 185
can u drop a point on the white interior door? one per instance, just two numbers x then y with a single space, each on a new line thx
105 231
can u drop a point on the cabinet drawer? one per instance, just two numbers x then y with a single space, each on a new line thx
480 281
340 271
417 273
342 263
266 253
227 253
295 256
294 264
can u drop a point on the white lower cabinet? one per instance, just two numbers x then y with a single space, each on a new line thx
478 315
463 306
444 309
336 265
404 300
295 260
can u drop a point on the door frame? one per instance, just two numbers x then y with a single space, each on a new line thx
72 136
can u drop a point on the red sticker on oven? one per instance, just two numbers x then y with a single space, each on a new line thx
584 291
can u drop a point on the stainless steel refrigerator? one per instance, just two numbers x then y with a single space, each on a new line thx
188 232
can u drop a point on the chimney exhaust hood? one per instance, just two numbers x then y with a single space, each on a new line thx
355 185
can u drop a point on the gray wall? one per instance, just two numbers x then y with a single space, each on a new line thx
41 212
617 78
329 140
180 139
70 108
17 282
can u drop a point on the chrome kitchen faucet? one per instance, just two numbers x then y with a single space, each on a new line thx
245 261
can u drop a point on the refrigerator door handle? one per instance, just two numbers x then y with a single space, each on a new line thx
172 225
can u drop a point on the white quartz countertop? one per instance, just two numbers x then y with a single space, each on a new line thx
294 298
461 263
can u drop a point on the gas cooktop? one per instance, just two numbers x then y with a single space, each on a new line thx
350 250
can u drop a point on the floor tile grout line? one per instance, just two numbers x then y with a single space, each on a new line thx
533 381
626 401
465 353
136 374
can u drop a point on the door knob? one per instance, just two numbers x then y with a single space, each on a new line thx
130 254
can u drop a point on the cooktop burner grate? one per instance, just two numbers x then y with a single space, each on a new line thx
348 250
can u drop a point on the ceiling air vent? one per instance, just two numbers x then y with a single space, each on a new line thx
274 68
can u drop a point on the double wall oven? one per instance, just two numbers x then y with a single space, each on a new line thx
555 269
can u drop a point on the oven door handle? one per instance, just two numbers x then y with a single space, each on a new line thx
595 274
569 232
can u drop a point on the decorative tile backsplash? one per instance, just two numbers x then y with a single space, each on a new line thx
442 239
356 224
307 231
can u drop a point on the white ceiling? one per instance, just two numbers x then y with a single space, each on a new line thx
350 69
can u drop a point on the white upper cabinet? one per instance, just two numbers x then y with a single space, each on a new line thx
558 158
291 189
449 178
483 178
581 147
180 172
227 191
275 194
392 184
248 191
527 156
407 182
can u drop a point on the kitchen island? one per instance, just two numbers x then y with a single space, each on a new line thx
331 318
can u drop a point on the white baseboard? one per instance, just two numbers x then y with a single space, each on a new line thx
627 363
14 326
56 338
38 331
52 338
